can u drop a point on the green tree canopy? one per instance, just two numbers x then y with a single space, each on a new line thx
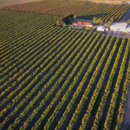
128 20
95 19
65 20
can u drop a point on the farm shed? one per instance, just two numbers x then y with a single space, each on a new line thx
74 23
82 24
107 29
101 28
87 24
120 27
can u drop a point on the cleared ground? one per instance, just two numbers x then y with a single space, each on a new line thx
126 122
12 2
107 1
126 17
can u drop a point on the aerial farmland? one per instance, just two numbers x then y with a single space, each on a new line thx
59 77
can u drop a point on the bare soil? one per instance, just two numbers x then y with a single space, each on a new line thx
126 121
13 2
107 1
126 17
103 1
118 34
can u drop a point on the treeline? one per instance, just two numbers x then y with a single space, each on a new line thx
65 20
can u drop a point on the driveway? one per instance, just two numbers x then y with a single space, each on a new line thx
84 20
118 34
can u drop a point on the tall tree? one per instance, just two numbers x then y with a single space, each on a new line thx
95 19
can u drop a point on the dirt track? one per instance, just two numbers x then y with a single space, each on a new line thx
126 17
126 122
12 2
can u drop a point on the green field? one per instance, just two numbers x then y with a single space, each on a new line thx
55 78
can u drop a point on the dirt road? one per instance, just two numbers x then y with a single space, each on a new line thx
126 17
126 122
12 2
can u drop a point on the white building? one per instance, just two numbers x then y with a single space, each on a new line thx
120 27
107 29
101 28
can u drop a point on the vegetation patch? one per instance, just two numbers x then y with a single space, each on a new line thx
65 20
90 28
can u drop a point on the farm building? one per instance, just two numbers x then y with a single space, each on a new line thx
101 28
74 23
88 24
120 27
82 24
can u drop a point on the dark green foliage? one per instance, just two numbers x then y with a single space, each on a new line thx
65 20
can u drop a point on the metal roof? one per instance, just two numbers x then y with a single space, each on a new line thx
82 23
122 27
119 25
